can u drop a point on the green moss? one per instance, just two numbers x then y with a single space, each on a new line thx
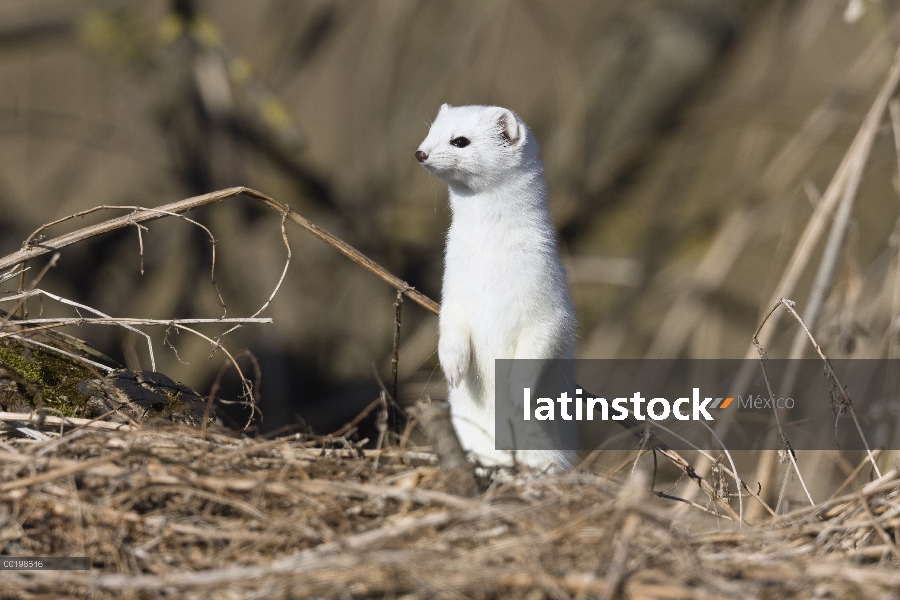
56 377
175 402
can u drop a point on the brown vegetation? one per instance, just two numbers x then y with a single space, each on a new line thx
164 513
678 248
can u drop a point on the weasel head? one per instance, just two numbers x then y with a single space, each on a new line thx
476 148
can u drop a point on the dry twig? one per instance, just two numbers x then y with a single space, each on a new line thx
143 215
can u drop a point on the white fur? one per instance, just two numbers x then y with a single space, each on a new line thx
504 292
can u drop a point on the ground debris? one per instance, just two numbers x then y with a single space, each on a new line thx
170 512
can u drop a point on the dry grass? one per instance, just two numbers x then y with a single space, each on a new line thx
173 512
163 513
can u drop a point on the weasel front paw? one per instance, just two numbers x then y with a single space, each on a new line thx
454 357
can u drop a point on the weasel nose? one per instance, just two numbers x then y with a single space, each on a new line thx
421 156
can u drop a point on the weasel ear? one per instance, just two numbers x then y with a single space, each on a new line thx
510 129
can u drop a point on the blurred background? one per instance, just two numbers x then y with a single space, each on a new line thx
687 144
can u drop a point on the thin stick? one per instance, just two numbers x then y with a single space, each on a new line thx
691 503
788 304
51 263
144 215
11 273
284 271
34 240
245 383
395 358
733 472
34 419
177 323
83 307
894 110
362 415
141 244
784 482
894 328
49 323
689 470
853 475
676 458
761 355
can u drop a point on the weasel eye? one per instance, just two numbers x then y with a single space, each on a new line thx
460 142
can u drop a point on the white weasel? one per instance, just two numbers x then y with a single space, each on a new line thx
505 293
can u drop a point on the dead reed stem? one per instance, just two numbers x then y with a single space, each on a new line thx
850 168
789 305
395 354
